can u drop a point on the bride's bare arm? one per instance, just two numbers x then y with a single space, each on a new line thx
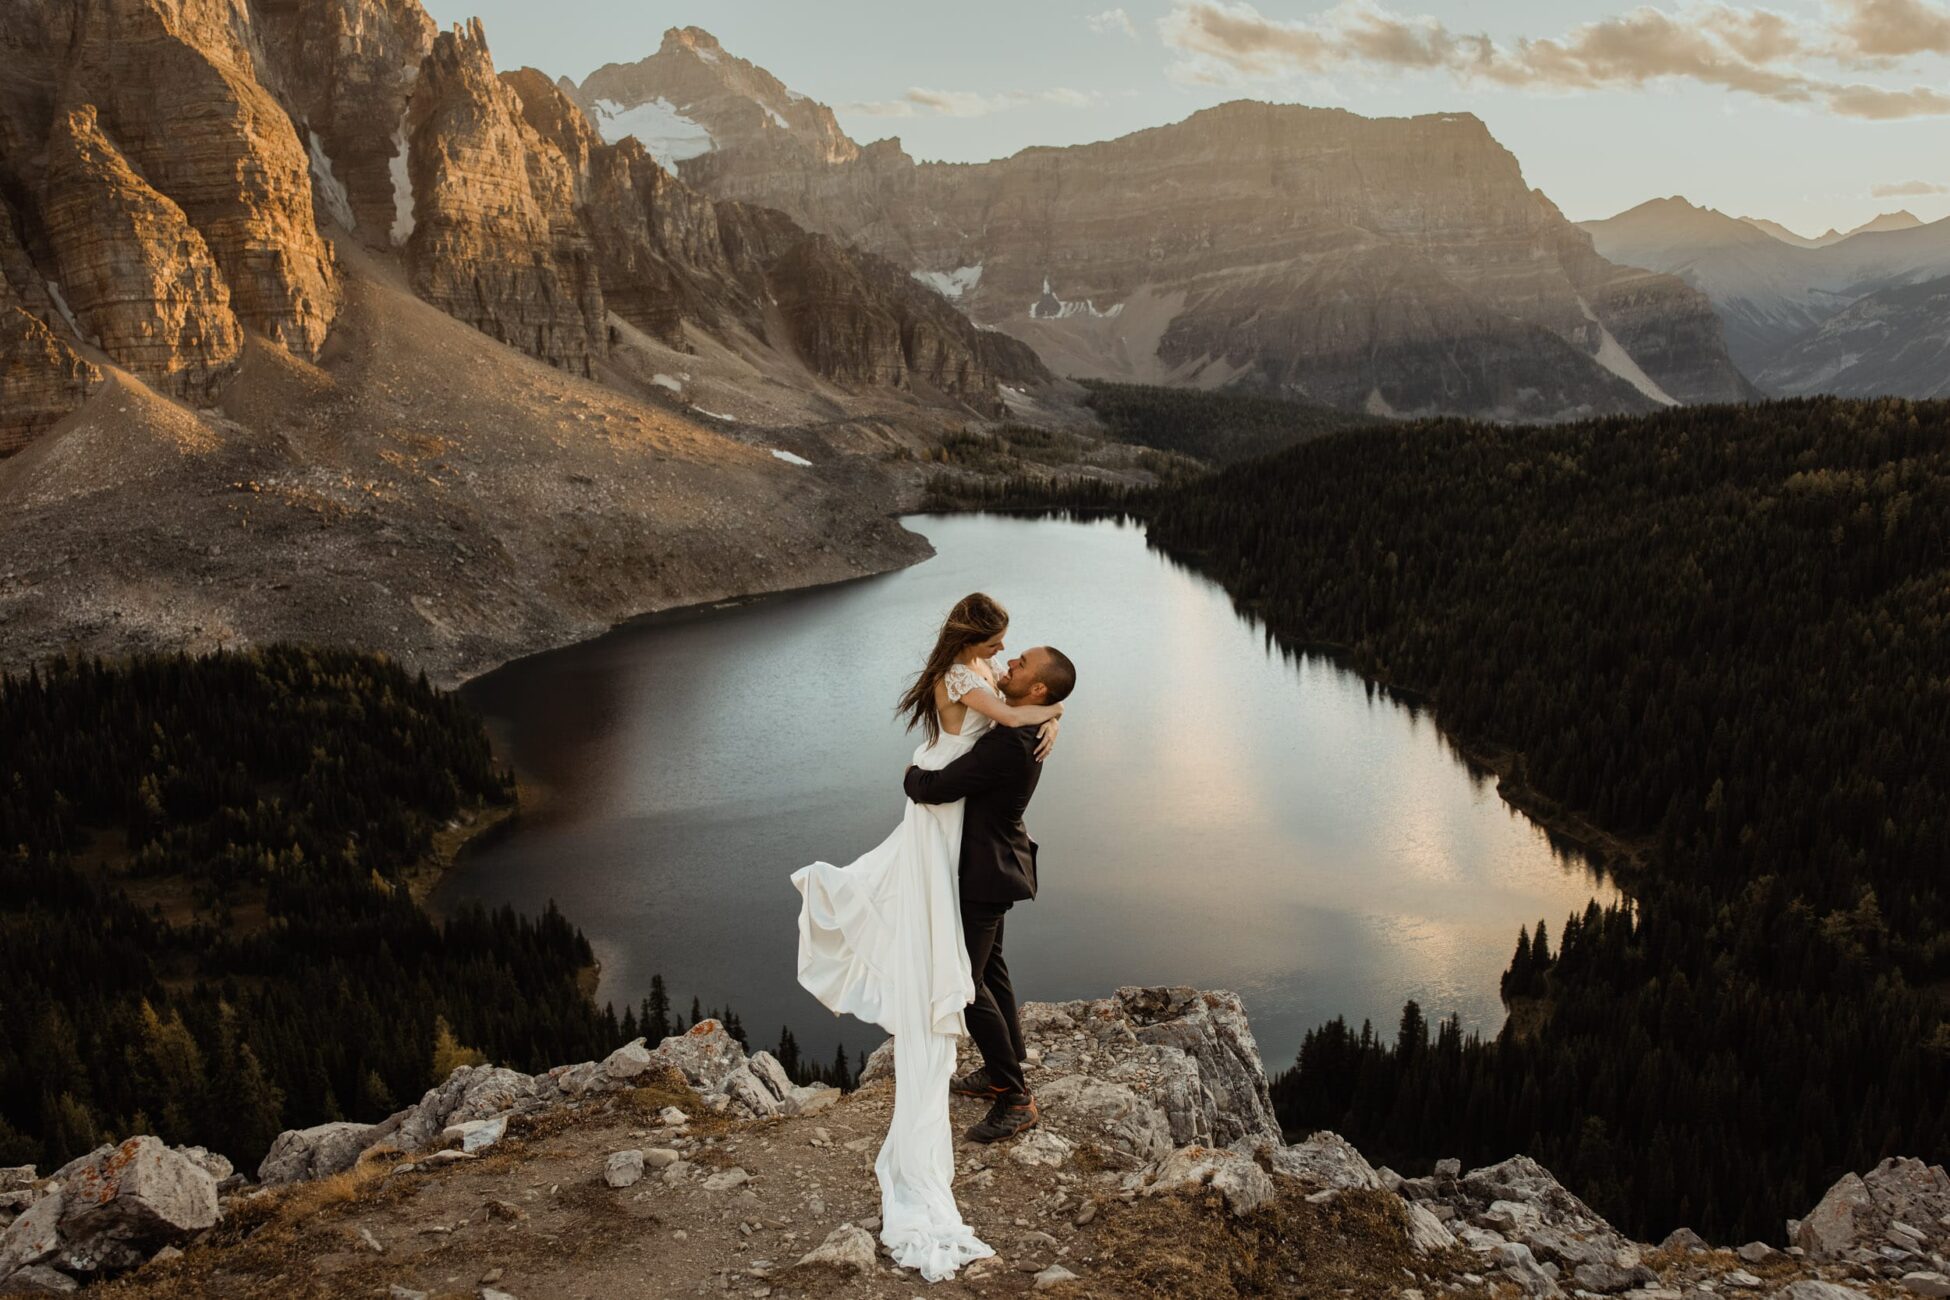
1005 714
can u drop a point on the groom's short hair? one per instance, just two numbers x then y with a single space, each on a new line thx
1058 675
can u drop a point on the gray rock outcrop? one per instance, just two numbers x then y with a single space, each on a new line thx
105 1212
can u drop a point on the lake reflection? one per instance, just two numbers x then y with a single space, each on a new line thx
1216 814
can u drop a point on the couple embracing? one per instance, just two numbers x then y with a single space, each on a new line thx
909 937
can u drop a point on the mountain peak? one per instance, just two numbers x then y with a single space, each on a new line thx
695 39
693 97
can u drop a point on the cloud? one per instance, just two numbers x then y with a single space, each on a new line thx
1755 51
969 103
1881 30
1909 190
1111 20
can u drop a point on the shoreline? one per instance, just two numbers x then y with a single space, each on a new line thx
1611 854
692 608
437 863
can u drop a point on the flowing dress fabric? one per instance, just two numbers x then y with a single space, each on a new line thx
881 939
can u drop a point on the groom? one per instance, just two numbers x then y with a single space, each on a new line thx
998 868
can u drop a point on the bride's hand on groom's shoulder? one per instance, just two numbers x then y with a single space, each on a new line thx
1046 738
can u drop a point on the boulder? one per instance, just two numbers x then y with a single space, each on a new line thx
766 1069
1846 1214
471 1092
1515 1219
476 1134
1808 1289
1684 1239
218 1166
704 1054
122 1203
1522 1267
1109 1114
1054 1275
749 1093
316 1152
1210 1027
624 1065
727 1179
1041 1147
1426 1233
1909 1191
1926 1283
1603 1279
846 1247
1191 1168
809 1099
623 1168
880 1063
38 1280
34 1236
1325 1159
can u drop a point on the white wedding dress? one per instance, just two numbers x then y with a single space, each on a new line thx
880 938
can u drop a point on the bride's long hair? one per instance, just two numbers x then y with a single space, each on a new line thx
974 619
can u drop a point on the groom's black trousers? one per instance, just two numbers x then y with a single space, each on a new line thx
991 1017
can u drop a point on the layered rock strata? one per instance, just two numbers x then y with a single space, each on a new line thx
223 137
1389 264
495 238
351 106
134 271
177 90
42 377
670 257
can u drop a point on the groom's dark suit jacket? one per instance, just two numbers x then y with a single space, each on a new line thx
997 776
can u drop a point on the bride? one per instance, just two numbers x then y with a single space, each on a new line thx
881 939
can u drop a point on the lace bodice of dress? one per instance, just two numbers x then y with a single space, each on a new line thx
960 680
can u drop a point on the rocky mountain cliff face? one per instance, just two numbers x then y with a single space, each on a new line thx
175 173
1395 265
1777 293
1890 341
1158 1169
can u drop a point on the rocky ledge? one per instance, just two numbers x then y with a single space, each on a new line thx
694 1168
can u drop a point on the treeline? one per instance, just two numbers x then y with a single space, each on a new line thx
1219 428
1721 634
208 933
949 493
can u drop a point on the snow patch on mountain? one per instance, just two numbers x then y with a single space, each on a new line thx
1613 357
789 458
67 313
952 284
665 133
330 190
402 186
1051 307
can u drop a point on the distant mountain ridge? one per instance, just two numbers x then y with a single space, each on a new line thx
1901 219
1397 265
1773 289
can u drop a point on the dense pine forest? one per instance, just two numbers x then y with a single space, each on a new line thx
1722 636
208 930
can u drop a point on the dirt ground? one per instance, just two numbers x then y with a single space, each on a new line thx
534 1218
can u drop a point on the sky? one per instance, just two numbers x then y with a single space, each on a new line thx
1815 113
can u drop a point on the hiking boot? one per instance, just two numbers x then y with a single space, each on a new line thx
1012 1113
976 1083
